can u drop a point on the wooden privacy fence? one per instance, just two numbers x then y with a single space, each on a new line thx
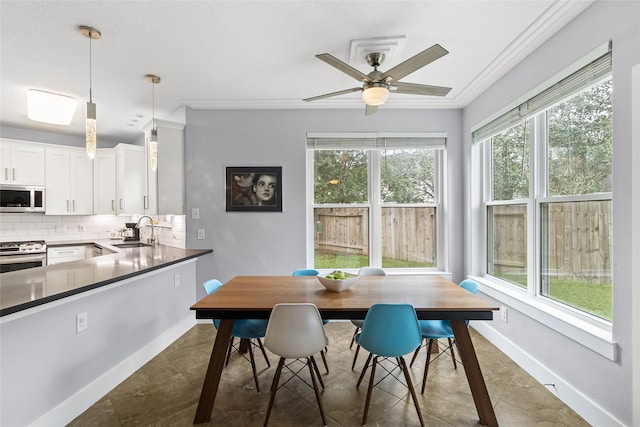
408 233
576 242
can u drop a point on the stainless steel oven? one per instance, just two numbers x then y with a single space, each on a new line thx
20 255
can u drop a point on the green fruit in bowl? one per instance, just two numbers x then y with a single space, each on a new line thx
330 277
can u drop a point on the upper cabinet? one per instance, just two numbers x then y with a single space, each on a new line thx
166 185
104 182
21 163
131 180
69 182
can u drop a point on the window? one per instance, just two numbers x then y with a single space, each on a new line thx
375 199
547 181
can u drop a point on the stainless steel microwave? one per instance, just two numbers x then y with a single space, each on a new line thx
21 198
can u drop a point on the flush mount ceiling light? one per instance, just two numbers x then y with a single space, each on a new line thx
153 140
50 107
92 34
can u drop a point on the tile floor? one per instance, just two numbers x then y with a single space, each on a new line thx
165 391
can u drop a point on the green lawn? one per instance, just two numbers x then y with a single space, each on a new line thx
328 260
592 298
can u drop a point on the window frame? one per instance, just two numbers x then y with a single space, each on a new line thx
590 330
374 202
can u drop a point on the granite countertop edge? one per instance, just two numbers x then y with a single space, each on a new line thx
25 289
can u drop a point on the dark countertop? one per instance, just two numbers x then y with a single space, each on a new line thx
23 289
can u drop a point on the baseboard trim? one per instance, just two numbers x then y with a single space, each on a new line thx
68 410
593 413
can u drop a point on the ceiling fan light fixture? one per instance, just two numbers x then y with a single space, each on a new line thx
375 94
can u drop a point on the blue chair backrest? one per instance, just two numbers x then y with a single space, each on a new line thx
306 272
211 286
470 285
390 330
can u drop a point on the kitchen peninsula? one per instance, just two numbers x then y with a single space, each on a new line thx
23 289
71 332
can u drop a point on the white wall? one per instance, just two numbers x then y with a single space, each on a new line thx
50 374
274 243
601 388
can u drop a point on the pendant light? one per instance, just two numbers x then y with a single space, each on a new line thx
153 140
90 124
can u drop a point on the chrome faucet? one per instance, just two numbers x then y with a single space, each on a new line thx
152 240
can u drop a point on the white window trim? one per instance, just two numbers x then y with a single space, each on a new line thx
439 139
589 331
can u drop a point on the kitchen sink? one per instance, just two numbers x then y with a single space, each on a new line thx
131 245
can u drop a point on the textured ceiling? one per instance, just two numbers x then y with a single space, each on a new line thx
251 54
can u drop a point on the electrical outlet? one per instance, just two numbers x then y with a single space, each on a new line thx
82 228
504 314
195 213
176 280
82 322
201 234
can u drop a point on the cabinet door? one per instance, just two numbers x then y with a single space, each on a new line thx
131 177
21 163
104 183
81 184
58 177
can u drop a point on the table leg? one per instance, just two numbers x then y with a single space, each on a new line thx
474 374
214 371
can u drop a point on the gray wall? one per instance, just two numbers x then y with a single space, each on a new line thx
275 243
606 383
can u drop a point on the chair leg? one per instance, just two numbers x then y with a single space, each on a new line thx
355 357
453 354
415 354
426 366
324 360
315 367
364 369
407 377
369 390
274 389
264 353
353 338
253 367
229 351
311 362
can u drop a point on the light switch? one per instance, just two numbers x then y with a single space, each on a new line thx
195 213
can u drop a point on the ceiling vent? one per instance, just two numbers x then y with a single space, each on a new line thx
360 48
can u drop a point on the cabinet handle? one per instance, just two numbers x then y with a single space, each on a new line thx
6 174
113 205
73 203
14 173
67 205
145 202
120 204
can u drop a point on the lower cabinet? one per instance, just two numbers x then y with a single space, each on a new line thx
57 255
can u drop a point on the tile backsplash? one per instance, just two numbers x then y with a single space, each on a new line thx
170 229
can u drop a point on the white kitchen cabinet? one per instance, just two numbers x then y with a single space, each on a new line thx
131 180
69 182
21 163
104 182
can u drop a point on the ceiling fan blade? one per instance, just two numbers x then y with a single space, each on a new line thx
414 63
328 95
345 68
370 109
418 89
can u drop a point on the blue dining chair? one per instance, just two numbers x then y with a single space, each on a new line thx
312 272
305 272
248 329
433 330
389 331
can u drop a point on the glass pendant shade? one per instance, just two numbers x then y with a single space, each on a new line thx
153 150
375 95
91 130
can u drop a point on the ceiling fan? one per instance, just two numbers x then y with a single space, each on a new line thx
376 87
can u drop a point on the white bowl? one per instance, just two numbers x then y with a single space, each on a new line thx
337 285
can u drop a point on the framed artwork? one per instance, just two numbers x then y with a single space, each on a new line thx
254 189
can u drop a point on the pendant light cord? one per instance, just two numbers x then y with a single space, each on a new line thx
90 77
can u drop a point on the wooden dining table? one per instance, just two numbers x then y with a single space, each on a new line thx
434 297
